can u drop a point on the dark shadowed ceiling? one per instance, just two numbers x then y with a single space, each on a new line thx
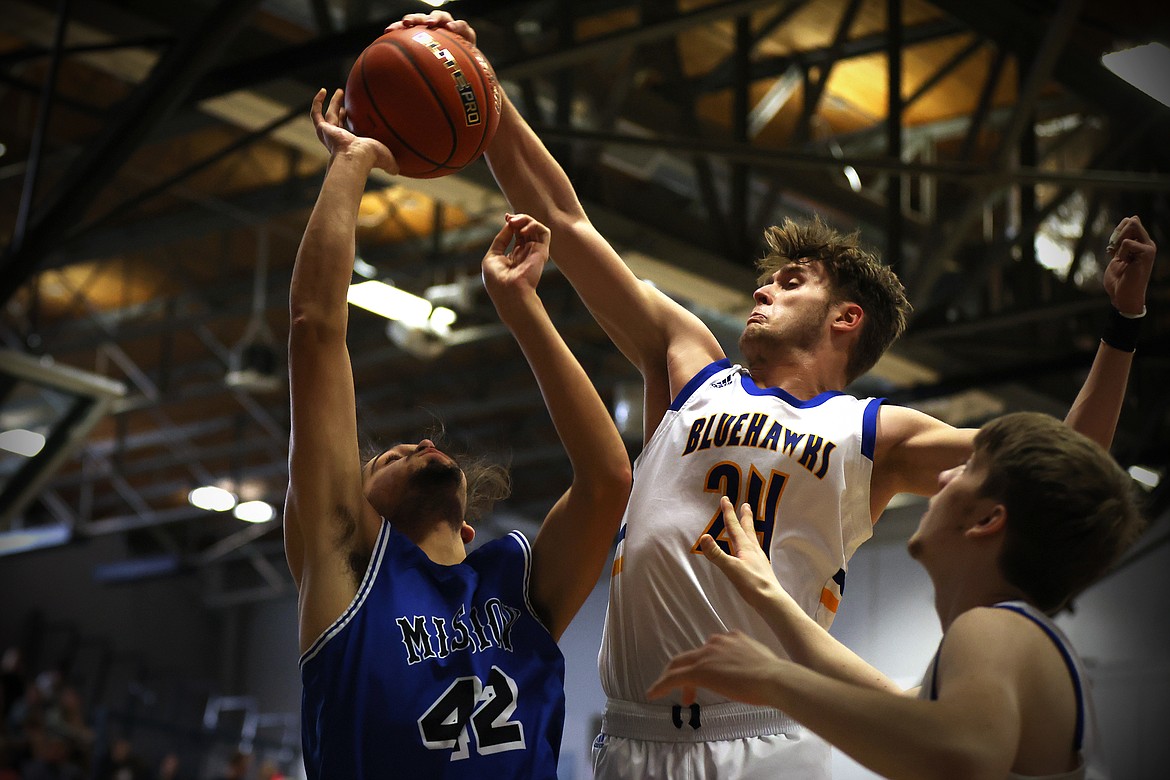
159 166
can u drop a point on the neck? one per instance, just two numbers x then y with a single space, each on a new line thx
804 375
439 538
443 546
963 593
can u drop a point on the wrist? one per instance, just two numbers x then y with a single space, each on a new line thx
1121 329
513 303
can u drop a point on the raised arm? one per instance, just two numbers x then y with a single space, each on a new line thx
1097 407
912 447
667 343
574 540
987 687
325 499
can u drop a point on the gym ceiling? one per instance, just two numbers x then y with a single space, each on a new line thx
158 167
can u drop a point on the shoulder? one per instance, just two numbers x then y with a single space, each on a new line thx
512 550
995 640
899 423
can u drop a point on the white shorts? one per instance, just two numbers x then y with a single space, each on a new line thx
647 742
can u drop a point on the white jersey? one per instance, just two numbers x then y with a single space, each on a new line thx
1086 741
803 466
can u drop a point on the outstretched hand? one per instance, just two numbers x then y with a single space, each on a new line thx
436 19
507 275
747 566
330 125
1131 261
732 665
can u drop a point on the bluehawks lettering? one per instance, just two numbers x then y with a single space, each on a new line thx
744 430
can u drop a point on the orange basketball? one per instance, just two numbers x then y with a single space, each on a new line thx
429 95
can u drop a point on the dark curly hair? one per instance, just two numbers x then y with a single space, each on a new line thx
487 480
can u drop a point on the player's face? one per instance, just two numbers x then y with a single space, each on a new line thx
791 309
412 478
953 508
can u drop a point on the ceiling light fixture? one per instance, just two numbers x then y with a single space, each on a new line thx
211 498
18 441
388 301
1145 67
1146 476
362 268
254 511
254 363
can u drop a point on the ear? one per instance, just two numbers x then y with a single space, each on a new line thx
466 533
992 523
848 317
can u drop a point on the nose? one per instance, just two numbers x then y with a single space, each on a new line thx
944 477
424 444
761 295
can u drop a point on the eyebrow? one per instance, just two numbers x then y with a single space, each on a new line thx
792 267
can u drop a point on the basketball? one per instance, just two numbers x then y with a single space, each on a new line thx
429 95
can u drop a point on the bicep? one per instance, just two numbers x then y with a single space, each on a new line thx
912 449
324 463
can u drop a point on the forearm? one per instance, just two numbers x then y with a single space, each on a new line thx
895 736
582 421
529 176
813 647
534 183
324 263
1097 407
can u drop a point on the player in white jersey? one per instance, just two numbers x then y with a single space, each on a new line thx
825 312
1036 515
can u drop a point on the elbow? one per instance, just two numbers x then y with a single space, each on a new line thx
608 488
313 324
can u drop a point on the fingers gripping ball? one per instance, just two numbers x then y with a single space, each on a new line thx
429 95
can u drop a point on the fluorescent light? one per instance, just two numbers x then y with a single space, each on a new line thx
362 268
254 511
1145 476
854 179
390 302
1145 67
211 498
442 319
21 442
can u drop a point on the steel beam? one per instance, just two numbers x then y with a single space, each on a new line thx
165 89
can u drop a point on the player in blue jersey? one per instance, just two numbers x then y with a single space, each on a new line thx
419 659
1036 514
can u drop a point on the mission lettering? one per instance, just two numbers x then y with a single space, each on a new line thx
756 429
430 636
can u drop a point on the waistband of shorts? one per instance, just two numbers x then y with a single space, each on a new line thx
708 723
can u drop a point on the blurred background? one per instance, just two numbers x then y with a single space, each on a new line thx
157 166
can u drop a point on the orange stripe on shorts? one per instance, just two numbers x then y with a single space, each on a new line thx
830 601
617 566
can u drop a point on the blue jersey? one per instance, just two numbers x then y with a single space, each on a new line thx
435 672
